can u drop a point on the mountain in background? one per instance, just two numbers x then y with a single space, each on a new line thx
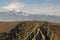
13 15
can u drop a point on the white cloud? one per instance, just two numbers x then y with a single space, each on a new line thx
30 9
47 10
14 6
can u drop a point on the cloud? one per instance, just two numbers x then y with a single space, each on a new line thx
14 6
47 10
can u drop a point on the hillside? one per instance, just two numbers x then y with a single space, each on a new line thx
6 26
25 29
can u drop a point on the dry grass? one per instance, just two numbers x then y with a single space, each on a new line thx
6 26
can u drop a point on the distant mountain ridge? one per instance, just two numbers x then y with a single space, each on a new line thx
13 15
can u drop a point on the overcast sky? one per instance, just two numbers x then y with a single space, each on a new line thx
47 7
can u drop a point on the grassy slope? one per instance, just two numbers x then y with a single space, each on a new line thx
6 26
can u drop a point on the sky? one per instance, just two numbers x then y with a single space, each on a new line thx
47 7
